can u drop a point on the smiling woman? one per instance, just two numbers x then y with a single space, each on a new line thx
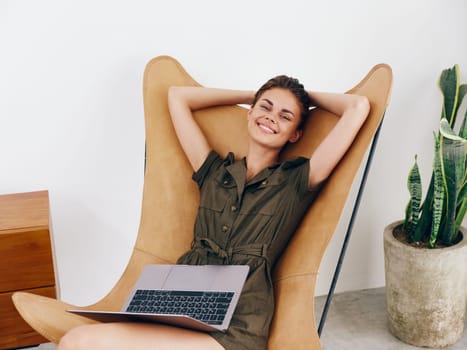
276 113
293 86
249 207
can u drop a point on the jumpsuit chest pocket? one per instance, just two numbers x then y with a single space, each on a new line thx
218 193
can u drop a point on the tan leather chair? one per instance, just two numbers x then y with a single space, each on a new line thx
170 202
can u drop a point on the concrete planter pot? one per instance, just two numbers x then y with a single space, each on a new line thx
426 291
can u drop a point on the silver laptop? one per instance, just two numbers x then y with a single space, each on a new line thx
201 297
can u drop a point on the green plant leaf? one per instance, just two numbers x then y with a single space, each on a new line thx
447 132
463 129
462 93
461 211
422 231
449 85
412 211
461 203
438 195
453 154
463 192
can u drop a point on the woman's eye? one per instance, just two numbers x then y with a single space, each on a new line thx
286 117
266 108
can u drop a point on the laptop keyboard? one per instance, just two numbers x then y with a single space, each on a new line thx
209 307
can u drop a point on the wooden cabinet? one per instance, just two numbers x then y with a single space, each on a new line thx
26 261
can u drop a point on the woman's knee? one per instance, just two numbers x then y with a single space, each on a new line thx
78 338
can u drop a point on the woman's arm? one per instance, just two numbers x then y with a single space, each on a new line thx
183 101
353 111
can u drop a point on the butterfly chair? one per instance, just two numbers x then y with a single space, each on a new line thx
170 202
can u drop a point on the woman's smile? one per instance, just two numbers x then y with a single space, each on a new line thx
266 127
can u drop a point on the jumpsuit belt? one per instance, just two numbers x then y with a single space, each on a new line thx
256 249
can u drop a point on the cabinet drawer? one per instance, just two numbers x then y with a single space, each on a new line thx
14 331
25 260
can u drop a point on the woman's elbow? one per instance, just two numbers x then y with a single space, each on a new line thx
362 105
177 98
173 93
359 108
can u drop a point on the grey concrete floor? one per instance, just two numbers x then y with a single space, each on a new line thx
356 321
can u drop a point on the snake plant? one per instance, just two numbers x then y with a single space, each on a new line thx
438 219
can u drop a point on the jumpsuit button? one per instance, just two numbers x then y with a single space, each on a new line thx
233 208
225 228
226 182
264 183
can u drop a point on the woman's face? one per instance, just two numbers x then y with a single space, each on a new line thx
273 120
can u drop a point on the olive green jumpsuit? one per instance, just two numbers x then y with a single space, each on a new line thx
248 223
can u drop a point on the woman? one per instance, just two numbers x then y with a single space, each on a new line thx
248 208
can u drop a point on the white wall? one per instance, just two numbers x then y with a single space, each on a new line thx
71 106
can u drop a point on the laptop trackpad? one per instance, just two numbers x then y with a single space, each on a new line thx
201 277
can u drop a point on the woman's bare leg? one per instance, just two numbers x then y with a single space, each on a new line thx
134 336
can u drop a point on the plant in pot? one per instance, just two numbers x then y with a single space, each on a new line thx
426 254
